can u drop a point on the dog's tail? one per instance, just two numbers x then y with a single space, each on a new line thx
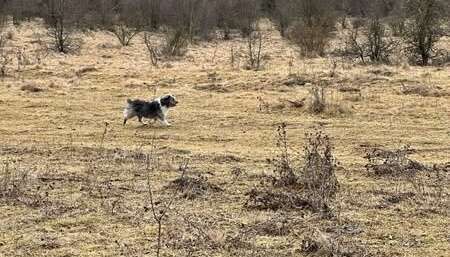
128 112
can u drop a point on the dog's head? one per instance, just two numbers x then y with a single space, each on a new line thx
168 101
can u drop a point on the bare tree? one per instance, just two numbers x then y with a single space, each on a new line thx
283 14
424 28
153 51
127 22
60 20
312 30
255 44
373 43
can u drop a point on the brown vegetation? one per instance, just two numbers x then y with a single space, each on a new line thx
74 181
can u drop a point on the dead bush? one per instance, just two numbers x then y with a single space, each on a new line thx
254 53
313 30
153 51
286 172
423 28
319 171
176 42
371 43
426 183
312 179
192 187
61 23
124 33
382 162
5 61
318 103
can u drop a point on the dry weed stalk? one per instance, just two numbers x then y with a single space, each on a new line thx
317 101
124 33
160 212
319 171
307 182
5 60
255 45
154 52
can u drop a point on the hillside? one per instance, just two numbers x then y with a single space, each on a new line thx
75 180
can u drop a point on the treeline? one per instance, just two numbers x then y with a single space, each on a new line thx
198 16
309 23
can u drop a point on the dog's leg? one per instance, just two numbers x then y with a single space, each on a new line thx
165 122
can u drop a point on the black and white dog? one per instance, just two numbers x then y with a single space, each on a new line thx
156 109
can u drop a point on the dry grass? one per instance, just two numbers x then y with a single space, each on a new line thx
86 195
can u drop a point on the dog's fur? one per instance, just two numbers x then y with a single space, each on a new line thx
156 109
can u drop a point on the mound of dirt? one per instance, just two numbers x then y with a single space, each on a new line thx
194 187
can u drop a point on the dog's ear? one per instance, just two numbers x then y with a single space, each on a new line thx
165 100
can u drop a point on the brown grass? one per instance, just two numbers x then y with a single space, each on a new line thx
85 200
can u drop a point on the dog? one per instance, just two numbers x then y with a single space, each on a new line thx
156 109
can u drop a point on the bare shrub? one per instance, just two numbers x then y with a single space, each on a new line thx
373 44
193 187
254 54
284 170
427 182
5 60
424 27
60 20
283 15
124 33
160 209
313 30
392 162
127 20
176 42
319 171
312 178
153 51
245 15
319 103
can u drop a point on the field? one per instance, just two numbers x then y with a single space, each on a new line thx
75 180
